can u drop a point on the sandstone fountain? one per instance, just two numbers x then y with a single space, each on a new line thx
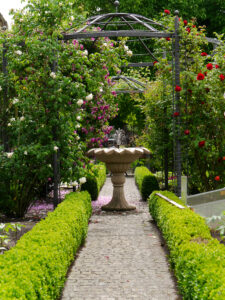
117 161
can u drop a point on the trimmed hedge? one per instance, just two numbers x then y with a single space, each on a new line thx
146 182
95 181
36 267
197 259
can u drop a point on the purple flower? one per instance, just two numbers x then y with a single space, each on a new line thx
69 102
93 39
113 93
81 47
93 140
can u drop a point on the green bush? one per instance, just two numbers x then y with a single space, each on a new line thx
197 258
149 184
95 180
36 267
146 181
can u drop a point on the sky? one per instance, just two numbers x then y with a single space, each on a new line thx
6 5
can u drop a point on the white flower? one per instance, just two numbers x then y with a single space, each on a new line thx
18 52
49 165
12 119
105 44
75 183
9 124
9 154
126 48
22 118
89 97
21 20
25 152
85 53
53 75
56 148
78 118
100 90
0 88
15 100
72 18
129 53
78 126
80 102
77 137
82 180
60 4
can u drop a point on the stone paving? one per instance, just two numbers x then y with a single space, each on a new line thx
122 258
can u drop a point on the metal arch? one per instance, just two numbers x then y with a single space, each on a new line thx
135 85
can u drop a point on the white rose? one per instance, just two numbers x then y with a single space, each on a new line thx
129 53
77 137
60 4
25 152
85 53
80 102
15 101
0 88
75 183
22 118
89 97
100 90
126 48
9 124
9 154
18 52
105 44
72 18
53 75
56 148
21 20
78 126
12 119
82 180
78 118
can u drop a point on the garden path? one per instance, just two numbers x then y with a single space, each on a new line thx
122 257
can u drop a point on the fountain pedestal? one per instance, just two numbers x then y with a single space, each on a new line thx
118 162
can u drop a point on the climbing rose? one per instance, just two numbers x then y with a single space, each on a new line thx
217 66
178 88
204 54
185 22
176 114
187 132
188 29
201 144
224 158
89 97
209 66
222 77
200 76
168 39
217 178
155 62
166 11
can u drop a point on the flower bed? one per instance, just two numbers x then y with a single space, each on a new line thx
197 259
146 181
36 267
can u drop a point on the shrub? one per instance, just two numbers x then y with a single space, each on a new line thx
36 267
95 180
149 184
197 258
145 181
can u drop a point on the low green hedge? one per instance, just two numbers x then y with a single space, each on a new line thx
36 267
197 259
95 180
146 182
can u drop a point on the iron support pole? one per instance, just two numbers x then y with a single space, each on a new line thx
55 158
5 138
178 158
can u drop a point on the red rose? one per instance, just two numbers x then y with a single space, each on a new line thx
200 76
155 62
201 144
209 66
204 54
178 88
168 39
187 132
188 29
193 26
190 91
224 158
222 77
166 11
185 22
202 102
217 66
176 114
217 178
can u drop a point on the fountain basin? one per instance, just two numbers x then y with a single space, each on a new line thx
117 161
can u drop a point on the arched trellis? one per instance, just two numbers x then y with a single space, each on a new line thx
139 28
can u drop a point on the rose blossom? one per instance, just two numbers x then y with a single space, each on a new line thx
209 66
178 88
200 76
166 11
89 97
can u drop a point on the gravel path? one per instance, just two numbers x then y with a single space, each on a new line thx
122 258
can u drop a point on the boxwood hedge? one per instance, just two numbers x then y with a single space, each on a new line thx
36 267
146 182
197 259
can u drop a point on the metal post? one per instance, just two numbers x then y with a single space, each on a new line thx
55 159
178 158
4 133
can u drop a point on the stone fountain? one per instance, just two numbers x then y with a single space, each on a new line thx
118 161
